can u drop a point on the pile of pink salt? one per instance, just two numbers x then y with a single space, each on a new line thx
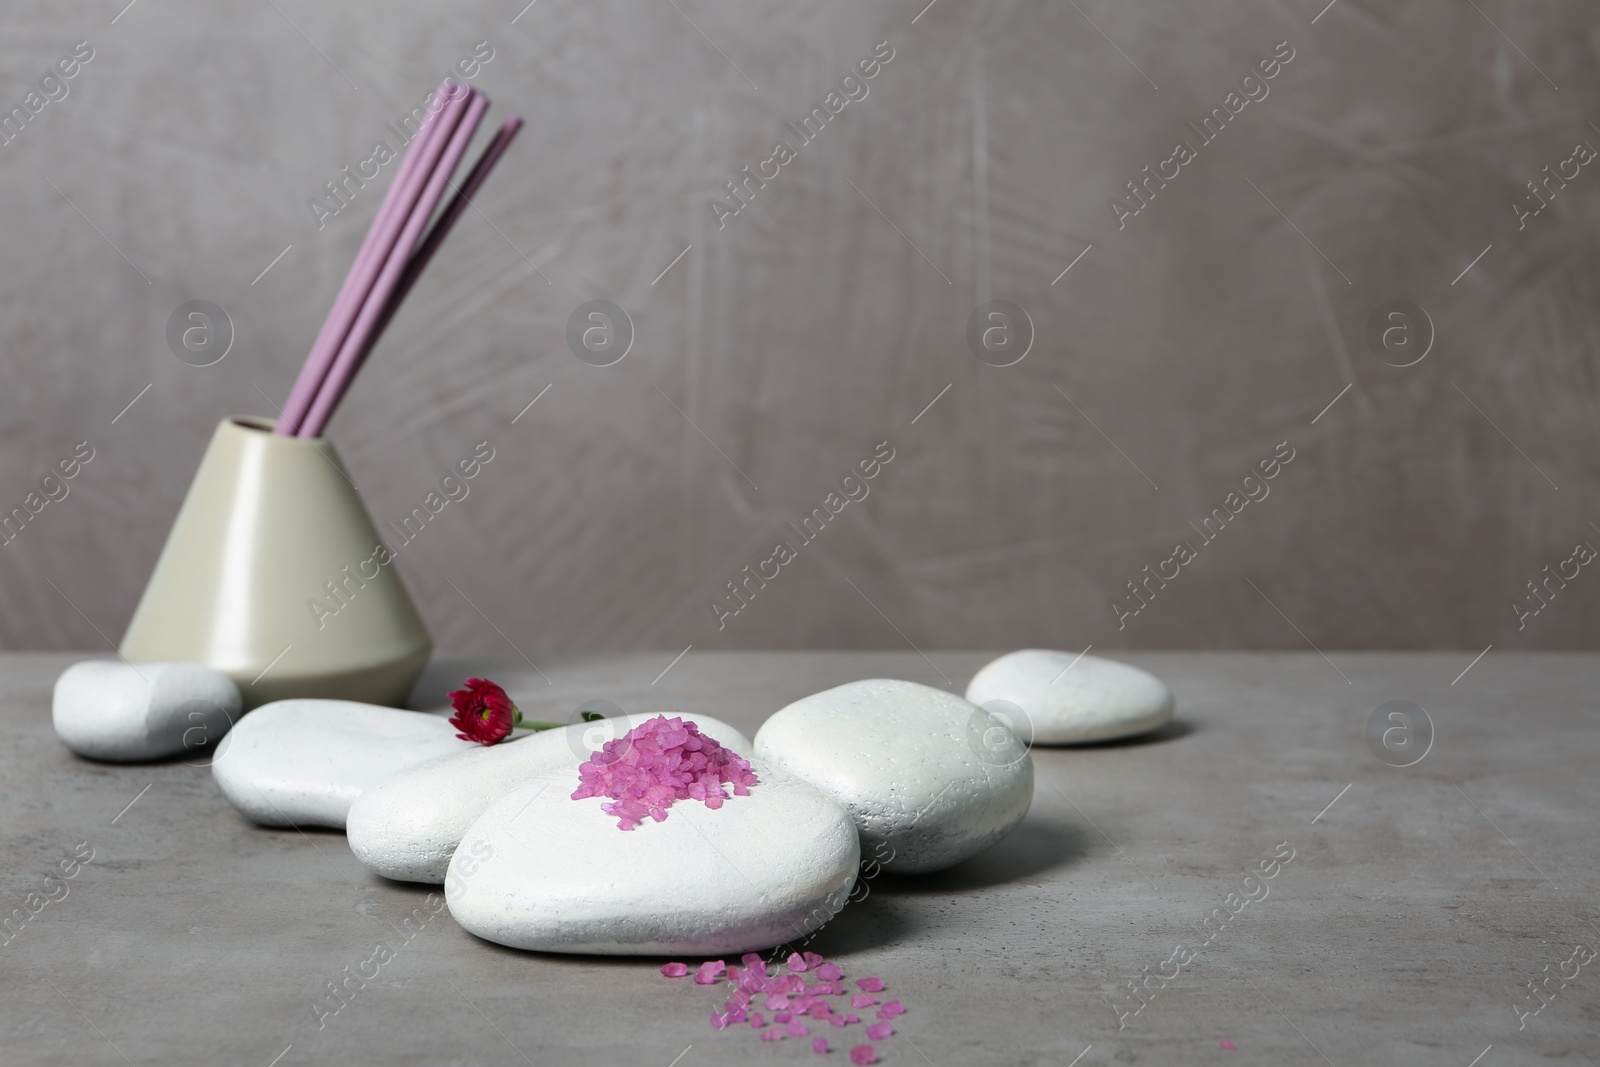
792 1003
658 762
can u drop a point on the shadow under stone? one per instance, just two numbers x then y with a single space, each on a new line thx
1030 850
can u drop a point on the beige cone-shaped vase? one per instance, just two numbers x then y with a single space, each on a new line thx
273 574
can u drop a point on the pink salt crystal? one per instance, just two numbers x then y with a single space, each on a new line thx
863 1000
1225 1045
819 1045
707 972
863 1054
675 970
757 1020
879 1031
777 1000
829 972
753 961
773 1034
821 1010
797 1029
837 1020
719 1021
851 1018
658 762
734 1012
871 985
891 1009
796 962
812 959
781 1016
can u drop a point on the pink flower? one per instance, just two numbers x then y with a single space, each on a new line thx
483 712
863 1054
675 970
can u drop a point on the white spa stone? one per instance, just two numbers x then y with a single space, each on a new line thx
1097 700
541 871
407 826
110 710
304 762
926 775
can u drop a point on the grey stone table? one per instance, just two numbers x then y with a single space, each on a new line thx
1419 904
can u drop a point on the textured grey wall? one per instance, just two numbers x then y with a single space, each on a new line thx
1180 350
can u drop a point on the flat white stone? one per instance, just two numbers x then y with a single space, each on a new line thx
928 777
110 710
541 871
1096 700
304 762
407 827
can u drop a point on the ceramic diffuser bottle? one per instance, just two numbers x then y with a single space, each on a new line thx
272 575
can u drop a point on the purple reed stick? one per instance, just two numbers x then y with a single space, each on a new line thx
358 282
438 170
447 219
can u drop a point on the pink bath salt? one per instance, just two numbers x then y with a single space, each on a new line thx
819 1045
891 1009
772 1033
707 972
675 970
657 763
734 1012
837 1020
781 1016
829 972
757 1020
879 1031
797 1029
777 1000
812 959
754 961
719 1021
871 985
863 1000
851 1018
820 1010
797 962
832 989
863 1054
1225 1045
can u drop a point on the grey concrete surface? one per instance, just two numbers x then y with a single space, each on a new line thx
1419 902
1218 322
